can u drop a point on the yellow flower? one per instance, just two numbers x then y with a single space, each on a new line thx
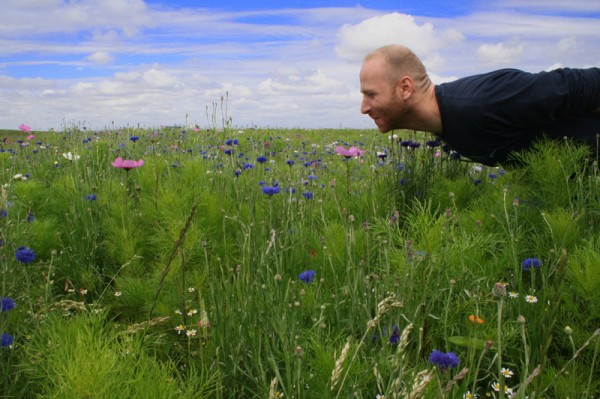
507 373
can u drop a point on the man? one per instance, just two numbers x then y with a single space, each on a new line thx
483 117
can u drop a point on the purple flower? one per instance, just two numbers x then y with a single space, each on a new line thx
261 159
307 276
6 339
7 304
307 194
444 360
395 337
25 255
134 138
271 190
290 162
90 197
528 263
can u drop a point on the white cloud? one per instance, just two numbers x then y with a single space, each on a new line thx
355 41
100 57
500 53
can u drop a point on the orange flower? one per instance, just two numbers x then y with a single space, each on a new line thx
475 319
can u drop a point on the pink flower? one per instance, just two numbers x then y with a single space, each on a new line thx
25 128
127 164
31 137
349 153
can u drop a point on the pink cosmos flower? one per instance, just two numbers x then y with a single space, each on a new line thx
349 153
25 128
31 137
127 164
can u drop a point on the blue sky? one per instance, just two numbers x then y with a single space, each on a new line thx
290 64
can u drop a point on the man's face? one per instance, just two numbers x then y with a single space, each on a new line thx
382 98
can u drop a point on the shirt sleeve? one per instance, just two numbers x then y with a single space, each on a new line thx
531 100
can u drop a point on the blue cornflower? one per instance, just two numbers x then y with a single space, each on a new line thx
6 339
414 144
307 276
261 159
312 177
237 172
90 197
444 360
262 183
528 263
307 194
395 337
134 138
227 152
7 304
290 162
271 190
30 218
248 166
25 255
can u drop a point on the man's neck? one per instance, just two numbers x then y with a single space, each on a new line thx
427 116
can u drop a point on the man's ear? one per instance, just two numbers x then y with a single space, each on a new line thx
405 87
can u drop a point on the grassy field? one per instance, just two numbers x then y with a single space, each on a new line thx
264 264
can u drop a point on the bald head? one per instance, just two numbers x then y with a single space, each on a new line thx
401 61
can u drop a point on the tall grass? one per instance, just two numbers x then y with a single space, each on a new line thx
183 278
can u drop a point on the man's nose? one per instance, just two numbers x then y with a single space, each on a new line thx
365 107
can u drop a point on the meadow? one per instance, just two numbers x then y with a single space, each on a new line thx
267 263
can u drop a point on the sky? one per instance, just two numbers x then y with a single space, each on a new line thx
268 64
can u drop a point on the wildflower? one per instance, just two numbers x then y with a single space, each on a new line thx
24 128
192 312
127 164
531 299
191 333
90 197
349 153
528 263
469 395
7 304
499 290
307 276
507 373
395 337
290 162
443 360
248 166
496 387
83 291
261 159
180 328
513 295
70 157
381 154
379 396
475 319
307 194
278 395
191 289
271 190
25 255
6 339
118 293
30 218
134 138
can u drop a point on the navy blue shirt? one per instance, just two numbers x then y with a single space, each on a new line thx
486 117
